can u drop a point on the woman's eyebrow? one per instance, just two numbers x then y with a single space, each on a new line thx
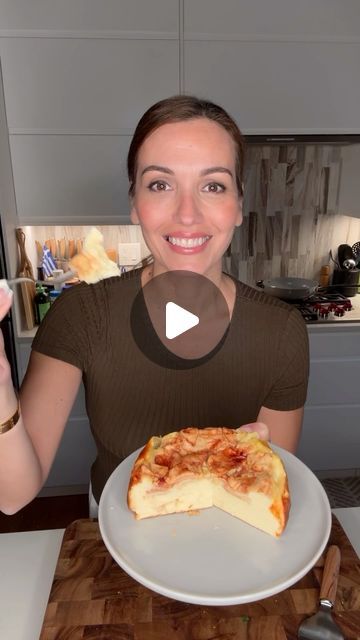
206 172
156 167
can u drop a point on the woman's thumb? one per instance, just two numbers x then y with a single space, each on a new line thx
259 427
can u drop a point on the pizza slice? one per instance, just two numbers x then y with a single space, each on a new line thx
196 468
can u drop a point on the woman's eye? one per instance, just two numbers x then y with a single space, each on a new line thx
158 185
215 187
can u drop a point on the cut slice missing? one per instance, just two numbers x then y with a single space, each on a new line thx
199 468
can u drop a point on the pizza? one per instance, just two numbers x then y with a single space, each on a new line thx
194 469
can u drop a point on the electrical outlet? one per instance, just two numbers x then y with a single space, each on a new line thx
129 253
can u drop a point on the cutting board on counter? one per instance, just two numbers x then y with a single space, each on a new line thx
25 270
92 597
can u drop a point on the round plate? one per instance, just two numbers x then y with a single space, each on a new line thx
213 558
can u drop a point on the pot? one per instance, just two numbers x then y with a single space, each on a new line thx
289 288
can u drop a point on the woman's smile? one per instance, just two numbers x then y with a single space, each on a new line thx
187 244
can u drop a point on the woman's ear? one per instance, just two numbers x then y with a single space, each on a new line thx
133 213
239 217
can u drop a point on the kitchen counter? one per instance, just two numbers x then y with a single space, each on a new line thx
351 318
28 562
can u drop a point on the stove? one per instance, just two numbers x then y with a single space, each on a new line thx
322 306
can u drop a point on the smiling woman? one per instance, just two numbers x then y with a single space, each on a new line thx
185 168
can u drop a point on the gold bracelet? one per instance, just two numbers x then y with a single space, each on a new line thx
11 422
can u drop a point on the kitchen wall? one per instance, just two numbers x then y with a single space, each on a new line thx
292 216
113 235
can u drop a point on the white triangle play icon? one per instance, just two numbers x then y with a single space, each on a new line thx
178 320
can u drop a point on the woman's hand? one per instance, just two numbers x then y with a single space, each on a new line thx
259 427
6 297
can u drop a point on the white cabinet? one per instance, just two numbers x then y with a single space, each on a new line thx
278 67
331 431
283 19
77 76
349 192
77 179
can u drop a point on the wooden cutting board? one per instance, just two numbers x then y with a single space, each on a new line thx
25 270
92 597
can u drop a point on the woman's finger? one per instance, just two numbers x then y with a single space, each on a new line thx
6 297
259 427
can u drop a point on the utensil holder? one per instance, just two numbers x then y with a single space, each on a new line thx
347 282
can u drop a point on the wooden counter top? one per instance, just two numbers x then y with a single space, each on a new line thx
92 597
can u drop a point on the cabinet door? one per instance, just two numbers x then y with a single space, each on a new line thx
279 67
23 355
74 457
349 193
278 87
330 438
70 119
77 449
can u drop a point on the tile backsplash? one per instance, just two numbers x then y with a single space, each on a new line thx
291 216
291 213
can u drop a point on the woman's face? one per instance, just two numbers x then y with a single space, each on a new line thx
186 199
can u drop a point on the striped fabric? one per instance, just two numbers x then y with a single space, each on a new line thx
48 262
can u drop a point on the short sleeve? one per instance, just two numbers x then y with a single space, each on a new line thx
292 370
64 332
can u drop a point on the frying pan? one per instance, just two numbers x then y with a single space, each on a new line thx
289 288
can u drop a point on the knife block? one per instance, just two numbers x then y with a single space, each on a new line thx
347 282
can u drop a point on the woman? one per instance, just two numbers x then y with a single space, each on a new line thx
185 169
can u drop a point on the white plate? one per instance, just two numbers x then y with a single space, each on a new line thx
213 558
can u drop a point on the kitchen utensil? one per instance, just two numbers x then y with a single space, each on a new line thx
349 263
346 281
71 249
25 270
53 248
324 275
356 252
345 253
289 288
39 252
79 246
21 279
321 625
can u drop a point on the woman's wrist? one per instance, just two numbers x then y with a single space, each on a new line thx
8 424
8 402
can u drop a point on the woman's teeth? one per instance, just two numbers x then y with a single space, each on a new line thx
187 243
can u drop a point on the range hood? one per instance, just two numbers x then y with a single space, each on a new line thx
309 139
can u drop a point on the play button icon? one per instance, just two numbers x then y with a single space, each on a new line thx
178 320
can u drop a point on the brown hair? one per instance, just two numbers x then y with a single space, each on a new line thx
177 109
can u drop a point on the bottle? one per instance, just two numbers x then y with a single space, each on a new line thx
41 302
324 276
53 295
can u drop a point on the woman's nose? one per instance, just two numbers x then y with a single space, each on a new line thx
188 209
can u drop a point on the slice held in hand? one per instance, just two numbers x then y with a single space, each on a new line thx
195 469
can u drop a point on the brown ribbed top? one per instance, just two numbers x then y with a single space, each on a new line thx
263 361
